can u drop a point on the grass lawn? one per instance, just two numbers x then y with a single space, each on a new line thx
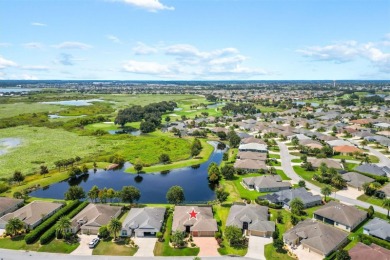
271 254
265 109
164 249
308 175
245 193
201 158
283 175
15 109
107 247
371 199
221 214
296 154
296 161
58 246
17 243
350 166
272 155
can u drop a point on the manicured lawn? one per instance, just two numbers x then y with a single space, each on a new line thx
107 247
350 166
264 109
272 155
271 254
274 149
201 158
221 214
17 243
371 199
296 161
283 175
307 175
164 249
245 193
58 246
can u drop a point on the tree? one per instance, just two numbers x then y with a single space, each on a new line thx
295 141
304 158
130 194
18 177
167 119
342 255
17 195
138 167
297 206
147 127
75 193
103 232
111 194
386 205
272 170
175 195
294 219
228 171
278 244
326 191
63 226
84 169
370 212
222 135
114 226
364 143
43 170
302 183
338 181
213 173
93 193
164 158
234 139
233 234
177 238
221 194
13 226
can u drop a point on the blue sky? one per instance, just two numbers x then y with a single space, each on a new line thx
195 39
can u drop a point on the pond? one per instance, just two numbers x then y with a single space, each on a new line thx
313 104
9 90
55 116
115 132
84 102
7 143
215 105
153 186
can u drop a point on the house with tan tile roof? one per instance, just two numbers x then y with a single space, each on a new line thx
8 205
363 252
196 220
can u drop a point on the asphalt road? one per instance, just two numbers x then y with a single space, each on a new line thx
289 171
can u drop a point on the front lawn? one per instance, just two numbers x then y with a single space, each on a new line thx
283 175
273 155
58 246
308 176
245 193
164 249
371 199
107 247
17 243
271 254
296 161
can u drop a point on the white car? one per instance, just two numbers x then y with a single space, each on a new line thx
93 243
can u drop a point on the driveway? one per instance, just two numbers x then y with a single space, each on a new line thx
145 246
350 192
208 246
83 248
256 247
305 254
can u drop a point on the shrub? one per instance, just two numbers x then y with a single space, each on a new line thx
103 232
218 235
37 232
159 236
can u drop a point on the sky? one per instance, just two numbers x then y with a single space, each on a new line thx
195 39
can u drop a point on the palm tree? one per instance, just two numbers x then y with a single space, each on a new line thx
13 226
386 205
326 190
364 143
63 226
338 181
114 226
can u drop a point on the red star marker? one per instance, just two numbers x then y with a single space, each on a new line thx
193 214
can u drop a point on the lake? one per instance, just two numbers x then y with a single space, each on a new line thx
7 143
153 186
8 90
314 104
115 132
84 102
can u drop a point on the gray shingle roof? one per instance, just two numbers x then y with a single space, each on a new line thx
144 218
266 181
96 215
8 203
371 169
379 228
285 196
355 179
341 213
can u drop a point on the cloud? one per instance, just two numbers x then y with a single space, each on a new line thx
35 67
4 63
33 45
38 24
72 45
5 44
149 5
145 67
66 59
349 51
27 77
113 38
143 49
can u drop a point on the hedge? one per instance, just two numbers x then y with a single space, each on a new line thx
368 240
50 234
381 179
36 233
269 204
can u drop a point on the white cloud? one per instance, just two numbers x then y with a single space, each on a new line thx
35 67
113 38
4 63
149 5
72 45
145 67
33 45
5 44
38 24
27 77
182 50
143 49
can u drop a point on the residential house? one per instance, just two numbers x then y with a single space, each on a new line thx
196 220
328 162
384 192
252 139
7 205
339 142
32 214
253 219
373 169
346 149
252 156
93 216
143 222
284 197
363 252
378 228
340 215
248 165
253 147
266 183
356 180
315 237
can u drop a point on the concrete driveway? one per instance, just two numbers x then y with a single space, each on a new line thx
208 246
305 254
256 247
145 246
83 248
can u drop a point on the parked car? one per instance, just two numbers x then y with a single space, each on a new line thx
93 243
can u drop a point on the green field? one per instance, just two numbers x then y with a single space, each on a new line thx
107 247
14 109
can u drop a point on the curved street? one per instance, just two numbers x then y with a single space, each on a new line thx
286 158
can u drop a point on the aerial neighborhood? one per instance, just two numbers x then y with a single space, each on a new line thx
263 171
